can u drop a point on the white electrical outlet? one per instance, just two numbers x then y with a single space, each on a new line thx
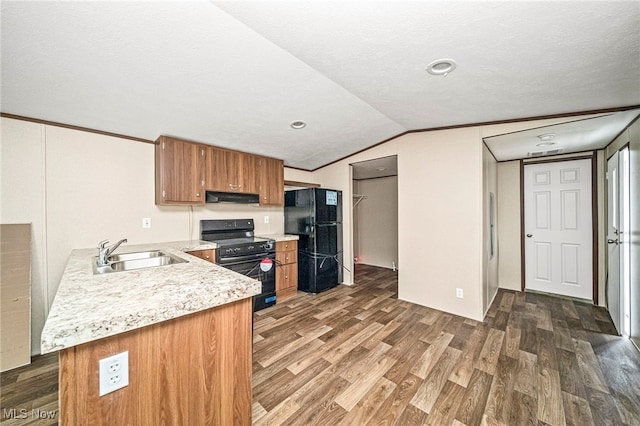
146 222
459 293
114 372
266 219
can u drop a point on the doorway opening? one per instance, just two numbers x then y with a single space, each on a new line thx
375 216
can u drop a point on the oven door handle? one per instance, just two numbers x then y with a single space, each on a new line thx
242 259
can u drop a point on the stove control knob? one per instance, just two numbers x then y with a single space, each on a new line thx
251 248
237 249
229 251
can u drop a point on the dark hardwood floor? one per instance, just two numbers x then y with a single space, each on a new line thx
29 388
358 355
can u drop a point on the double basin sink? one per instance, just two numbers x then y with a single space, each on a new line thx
132 261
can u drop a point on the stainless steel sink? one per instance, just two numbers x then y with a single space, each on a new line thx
137 255
133 261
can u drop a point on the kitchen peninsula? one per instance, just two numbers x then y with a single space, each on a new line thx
187 330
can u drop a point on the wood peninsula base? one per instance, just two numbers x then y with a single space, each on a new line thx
192 370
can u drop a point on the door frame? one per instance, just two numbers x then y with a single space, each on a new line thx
594 216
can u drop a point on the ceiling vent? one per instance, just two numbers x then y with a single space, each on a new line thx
543 153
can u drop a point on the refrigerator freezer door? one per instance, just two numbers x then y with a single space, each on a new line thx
320 259
316 272
328 205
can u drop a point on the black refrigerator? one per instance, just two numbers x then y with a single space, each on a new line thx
315 215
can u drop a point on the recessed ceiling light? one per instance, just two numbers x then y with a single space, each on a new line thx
547 137
298 124
545 143
441 67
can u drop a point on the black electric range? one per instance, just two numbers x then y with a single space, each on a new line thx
240 251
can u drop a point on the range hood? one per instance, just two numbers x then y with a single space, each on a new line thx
231 197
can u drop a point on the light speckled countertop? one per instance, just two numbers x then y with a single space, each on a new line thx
89 307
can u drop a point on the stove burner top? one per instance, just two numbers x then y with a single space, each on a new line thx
239 241
234 238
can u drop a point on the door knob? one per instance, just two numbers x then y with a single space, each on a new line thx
610 241
529 235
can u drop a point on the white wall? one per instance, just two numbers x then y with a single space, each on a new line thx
439 216
81 188
509 262
376 222
440 220
22 196
298 175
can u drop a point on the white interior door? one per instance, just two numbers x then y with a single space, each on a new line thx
613 247
558 228
618 247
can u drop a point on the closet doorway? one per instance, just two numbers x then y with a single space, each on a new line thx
375 214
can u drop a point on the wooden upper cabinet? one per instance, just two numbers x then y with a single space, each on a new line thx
230 171
179 171
186 170
271 181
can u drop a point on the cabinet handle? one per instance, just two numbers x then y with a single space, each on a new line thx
197 194
207 257
235 186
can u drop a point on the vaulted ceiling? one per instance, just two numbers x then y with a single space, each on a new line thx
237 74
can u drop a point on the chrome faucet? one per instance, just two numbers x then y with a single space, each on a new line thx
105 252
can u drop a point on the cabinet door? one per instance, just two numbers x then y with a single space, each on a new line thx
285 257
287 278
231 171
271 182
179 172
286 245
248 173
222 169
